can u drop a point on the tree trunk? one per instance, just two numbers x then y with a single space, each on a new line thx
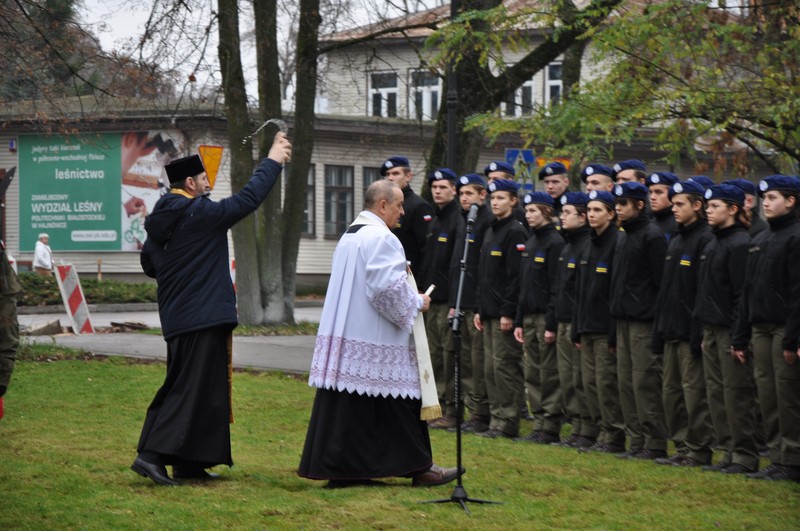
242 163
302 145
269 221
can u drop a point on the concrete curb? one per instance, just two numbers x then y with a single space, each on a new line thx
132 307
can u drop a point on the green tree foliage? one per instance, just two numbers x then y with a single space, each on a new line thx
690 75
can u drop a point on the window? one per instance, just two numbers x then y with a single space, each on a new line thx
338 199
308 227
553 83
424 95
370 176
521 103
383 92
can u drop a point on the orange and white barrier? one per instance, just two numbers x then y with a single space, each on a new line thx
72 294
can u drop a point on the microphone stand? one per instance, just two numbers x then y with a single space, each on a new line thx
459 494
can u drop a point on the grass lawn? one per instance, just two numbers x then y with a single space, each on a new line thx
71 429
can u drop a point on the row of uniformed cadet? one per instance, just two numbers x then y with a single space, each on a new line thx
624 310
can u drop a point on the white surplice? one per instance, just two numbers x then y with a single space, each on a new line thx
364 344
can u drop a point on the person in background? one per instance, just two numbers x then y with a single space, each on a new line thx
769 314
414 225
43 256
535 324
659 185
729 381
10 289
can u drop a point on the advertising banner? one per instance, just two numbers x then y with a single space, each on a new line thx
91 192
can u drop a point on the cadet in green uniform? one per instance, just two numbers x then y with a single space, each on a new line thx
593 328
729 382
436 266
771 312
575 230
498 292
679 336
471 189
635 282
9 326
535 324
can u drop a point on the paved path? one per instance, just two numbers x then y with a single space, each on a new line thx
282 353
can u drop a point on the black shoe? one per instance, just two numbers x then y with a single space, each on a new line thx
784 473
668 460
719 467
650 455
763 473
685 460
532 437
629 454
493 433
192 473
736 468
606 448
157 473
570 442
471 426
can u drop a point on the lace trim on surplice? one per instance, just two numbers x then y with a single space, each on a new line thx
362 367
398 303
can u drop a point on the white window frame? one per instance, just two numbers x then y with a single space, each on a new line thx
431 96
523 101
550 83
385 94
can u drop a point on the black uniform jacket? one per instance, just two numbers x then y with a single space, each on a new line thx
498 270
666 223
723 263
593 285
638 265
412 229
673 320
439 251
469 291
772 290
538 271
568 272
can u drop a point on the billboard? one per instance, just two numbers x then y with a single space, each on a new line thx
91 192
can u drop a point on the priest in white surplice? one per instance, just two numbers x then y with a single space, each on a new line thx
372 374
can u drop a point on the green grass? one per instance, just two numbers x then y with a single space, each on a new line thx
72 425
42 291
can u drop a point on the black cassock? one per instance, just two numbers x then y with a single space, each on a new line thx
188 422
352 436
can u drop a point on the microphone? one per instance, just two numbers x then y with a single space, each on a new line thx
472 215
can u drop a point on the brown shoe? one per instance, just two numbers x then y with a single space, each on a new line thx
435 475
443 423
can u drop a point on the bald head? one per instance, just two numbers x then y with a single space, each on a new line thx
378 191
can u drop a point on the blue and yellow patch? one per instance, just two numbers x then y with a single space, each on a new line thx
601 267
571 263
442 237
539 257
496 252
686 260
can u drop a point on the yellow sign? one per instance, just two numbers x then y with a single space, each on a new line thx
212 157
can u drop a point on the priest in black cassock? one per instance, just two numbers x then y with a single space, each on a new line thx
187 424
371 366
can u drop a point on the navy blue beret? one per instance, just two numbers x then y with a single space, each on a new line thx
553 168
442 174
779 182
687 187
499 165
503 185
575 199
593 169
743 184
538 198
704 181
470 178
631 190
603 197
661 177
726 192
632 164
394 162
